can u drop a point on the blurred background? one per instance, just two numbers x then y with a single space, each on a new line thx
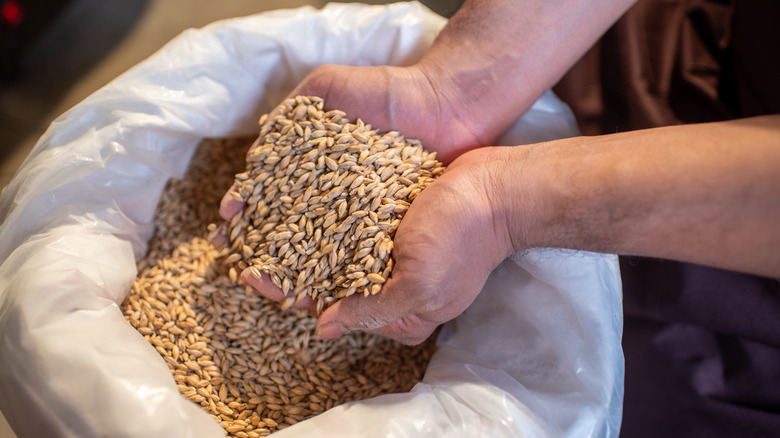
54 53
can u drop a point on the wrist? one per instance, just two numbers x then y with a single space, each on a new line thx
476 95
534 200
491 176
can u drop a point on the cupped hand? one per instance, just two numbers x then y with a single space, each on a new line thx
450 239
409 100
444 249
412 100
445 246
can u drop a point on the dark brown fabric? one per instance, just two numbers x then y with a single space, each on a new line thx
702 345
671 62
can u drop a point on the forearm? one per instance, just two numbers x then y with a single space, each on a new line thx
495 58
707 194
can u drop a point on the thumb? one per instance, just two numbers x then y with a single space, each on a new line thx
230 204
386 314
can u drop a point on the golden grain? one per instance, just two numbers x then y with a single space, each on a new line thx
231 351
345 171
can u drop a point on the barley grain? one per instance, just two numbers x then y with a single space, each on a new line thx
229 350
351 168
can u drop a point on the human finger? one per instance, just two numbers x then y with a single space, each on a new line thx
218 235
265 287
390 313
230 205
408 330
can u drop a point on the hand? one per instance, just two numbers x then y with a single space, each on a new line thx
405 99
445 248
411 100
447 244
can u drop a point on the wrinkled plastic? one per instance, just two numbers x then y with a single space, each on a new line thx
537 354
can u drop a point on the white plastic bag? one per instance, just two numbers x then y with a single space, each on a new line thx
538 353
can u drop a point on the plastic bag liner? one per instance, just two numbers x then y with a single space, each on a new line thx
537 354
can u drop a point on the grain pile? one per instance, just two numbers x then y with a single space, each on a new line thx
254 367
324 197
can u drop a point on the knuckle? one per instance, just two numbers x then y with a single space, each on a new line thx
369 321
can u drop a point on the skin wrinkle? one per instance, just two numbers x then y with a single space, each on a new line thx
399 108
439 278
476 227
494 193
518 169
448 96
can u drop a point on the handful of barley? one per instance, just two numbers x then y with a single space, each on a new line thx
324 197
252 366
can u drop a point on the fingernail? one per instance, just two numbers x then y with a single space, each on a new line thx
331 330
217 235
